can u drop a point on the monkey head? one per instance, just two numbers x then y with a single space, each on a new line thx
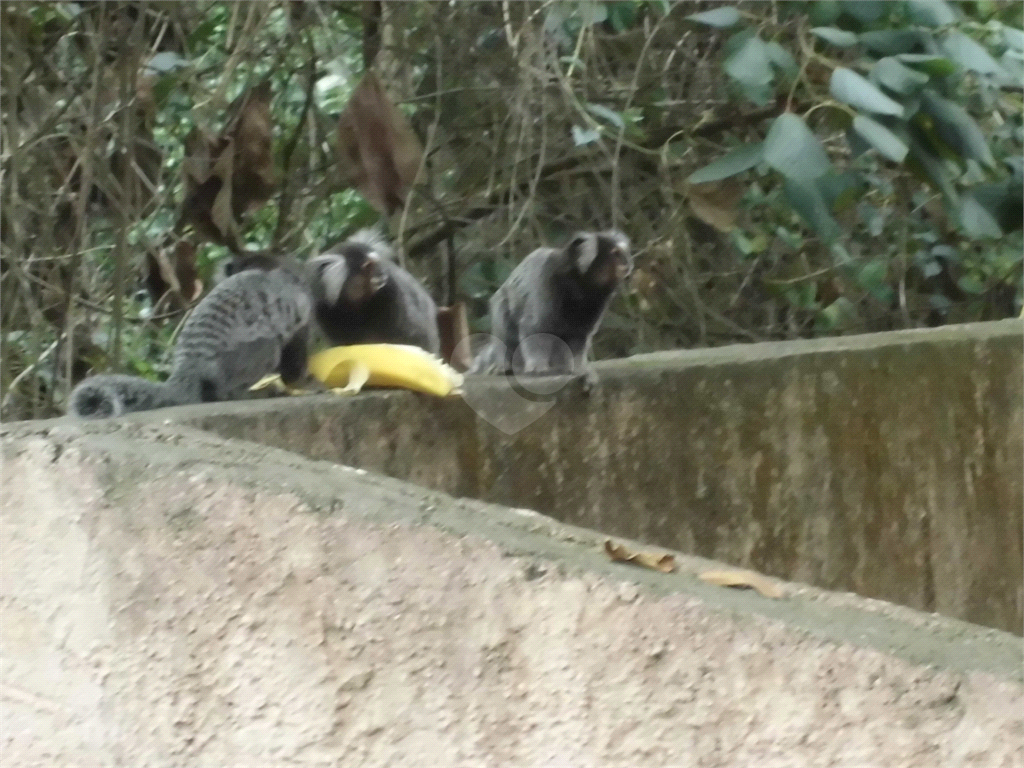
352 274
352 271
602 258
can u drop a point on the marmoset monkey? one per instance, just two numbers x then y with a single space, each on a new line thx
555 292
361 296
253 323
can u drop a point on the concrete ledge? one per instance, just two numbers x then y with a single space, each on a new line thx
890 465
172 598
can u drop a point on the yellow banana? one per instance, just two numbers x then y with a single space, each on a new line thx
346 369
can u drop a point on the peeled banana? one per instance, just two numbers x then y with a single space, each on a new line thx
345 370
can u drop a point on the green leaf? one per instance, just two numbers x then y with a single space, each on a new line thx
593 13
936 66
665 6
837 37
865 11
840 190
977 222
839 312
857 145
721 18
1014 38
849 87
931 13
872 274
792 150
970 284
890 73
931 169
583 136
824 12
957 128
166 61
807 201
890 42
782 60
881 138
622 15
750 64
606 114
737 161
969 54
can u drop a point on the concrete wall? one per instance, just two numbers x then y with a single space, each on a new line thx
889 465
170 598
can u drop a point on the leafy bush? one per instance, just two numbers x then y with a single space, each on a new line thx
921 87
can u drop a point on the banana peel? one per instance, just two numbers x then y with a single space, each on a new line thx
346 370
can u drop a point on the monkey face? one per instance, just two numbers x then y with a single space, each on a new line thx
365 278
604 258
354 274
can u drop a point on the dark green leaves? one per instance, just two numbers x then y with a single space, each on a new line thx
969 54
165 62
898 78
807 201
976 221
837 37
889 42
956 128
849 87
720 18
936 66
931 13
881 138
792 150
750 64
737 161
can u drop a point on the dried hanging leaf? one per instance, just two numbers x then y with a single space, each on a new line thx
232 174
743 580
715 203
665 563
453 327
378 152
173 271
255 174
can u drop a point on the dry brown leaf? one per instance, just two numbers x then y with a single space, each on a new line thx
227 176
743 580
378 152
715 203
665 563
173 273
254 173
453 328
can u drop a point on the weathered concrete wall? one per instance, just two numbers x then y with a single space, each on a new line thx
890 465
169 598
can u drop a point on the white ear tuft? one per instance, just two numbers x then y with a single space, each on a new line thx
374 239
585 247
332 272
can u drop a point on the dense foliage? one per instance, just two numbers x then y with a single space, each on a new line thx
785 169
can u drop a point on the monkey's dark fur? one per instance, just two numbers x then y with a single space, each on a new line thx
560 292
361 296
253 323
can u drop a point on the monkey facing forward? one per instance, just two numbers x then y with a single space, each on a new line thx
555 292
361 296
253 323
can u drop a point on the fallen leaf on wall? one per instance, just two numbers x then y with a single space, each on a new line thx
743 580
664 563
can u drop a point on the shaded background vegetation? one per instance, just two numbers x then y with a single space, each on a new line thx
785 169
